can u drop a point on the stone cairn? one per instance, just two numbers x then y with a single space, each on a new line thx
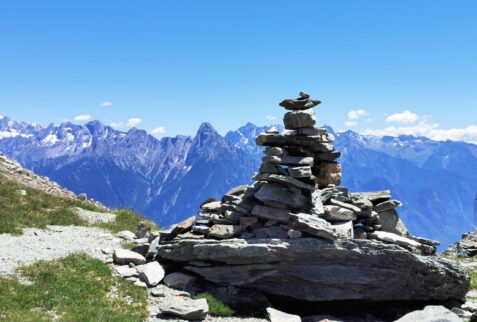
296 194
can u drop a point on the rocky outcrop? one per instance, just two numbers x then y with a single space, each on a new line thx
466 247
311 269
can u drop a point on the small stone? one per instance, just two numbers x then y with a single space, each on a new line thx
294 233
22 192
271 232
359 233
274 150
431 313
157 293
335 213
345 205
204 230
233 216
387 205
285 194
300 172
313 225
125 271
344 229
179 281
126 235
225 231
143 230
125 256
214 206
188 235
82 197
239 190
189 310
185 225
270 223
375 196
152 273
289 160
299 119
394 239
211 199
140 284
278 316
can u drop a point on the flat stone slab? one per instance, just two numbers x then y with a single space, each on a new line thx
152 273
313 225
311 269
280 215
124 257
278 316
187 309
283 180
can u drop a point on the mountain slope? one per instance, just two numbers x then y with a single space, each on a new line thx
167 179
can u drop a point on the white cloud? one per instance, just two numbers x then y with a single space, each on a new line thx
351 123
405 117
369 120
430 130
271 118
82 117
106 103
133 122
354 115
117 124
159 130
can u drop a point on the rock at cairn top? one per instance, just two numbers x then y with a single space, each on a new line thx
302 103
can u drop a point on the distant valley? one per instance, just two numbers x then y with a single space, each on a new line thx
167 179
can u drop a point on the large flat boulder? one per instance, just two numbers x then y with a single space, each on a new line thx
311 269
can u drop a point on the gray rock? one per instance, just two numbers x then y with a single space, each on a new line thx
214 206
313 144
22 192
152 250
211 199
387 205
284 194
394 238
467 247
300 172
124 257
125 271
204 230
279 215
188 309
364 204
317 208
424 241
375 196
327 156
335 213
283 180
278 316
274 150
313 131
143 230
312 269
233 216
302 103
152 273
390 222
185 225
225 231
141 248
82 197
268 167
179 281
313 225
345 205
288 160
239 190
359 233
344 229
294 233
299 119
431 313
126 235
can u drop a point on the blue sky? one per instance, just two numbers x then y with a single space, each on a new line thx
401 66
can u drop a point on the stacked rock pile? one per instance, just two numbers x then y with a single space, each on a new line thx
296 194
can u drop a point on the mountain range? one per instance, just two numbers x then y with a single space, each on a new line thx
167 179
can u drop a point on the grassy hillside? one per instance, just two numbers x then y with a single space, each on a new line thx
74 288
38 209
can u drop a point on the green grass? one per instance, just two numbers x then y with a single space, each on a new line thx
76 288
39 209
216 307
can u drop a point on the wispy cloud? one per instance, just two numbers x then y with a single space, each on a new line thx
406 117
84 117
159 130
351 123
117 124
430 130
132 122
107 103
354 115
271 118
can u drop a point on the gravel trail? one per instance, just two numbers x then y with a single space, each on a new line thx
54 242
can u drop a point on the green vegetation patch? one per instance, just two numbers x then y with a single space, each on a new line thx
216 307
39 209
74 288
126 219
